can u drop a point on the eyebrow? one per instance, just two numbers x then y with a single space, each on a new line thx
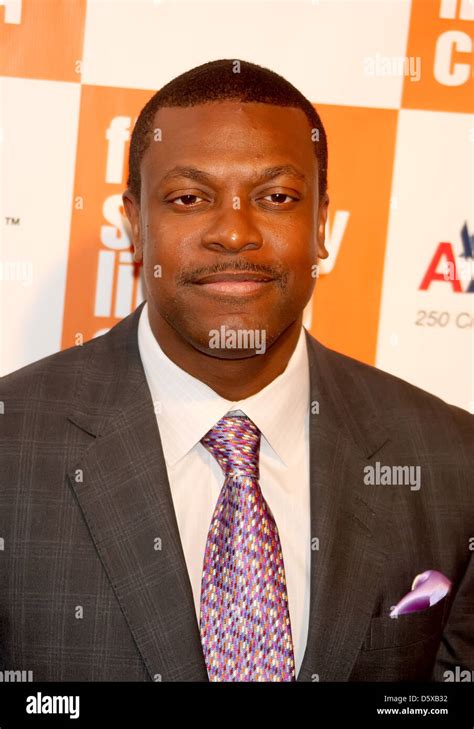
193 173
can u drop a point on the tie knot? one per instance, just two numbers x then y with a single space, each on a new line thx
235 444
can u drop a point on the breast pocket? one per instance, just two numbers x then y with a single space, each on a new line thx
416 627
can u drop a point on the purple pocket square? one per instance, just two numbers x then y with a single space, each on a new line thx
427 589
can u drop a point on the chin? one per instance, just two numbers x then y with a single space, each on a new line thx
232 354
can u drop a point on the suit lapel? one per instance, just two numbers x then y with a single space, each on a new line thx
122 487
347 517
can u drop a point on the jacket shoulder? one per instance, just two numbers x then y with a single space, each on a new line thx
41 393
50 378
395 400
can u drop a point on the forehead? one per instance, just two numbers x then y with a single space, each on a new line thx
230 134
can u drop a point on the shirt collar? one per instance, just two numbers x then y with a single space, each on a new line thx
187 408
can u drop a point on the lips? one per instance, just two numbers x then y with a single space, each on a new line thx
234 283
233 277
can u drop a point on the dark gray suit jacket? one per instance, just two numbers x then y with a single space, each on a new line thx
86 592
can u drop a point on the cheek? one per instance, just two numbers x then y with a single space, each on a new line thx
292 238
297 256
166 247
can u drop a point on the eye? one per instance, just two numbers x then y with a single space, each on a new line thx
278 198
189 200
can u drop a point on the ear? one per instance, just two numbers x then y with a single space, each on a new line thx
321 232
132 211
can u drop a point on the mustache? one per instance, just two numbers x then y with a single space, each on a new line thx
274 271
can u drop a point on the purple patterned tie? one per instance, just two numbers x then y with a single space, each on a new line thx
245 622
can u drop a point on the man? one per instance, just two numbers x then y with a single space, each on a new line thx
198 494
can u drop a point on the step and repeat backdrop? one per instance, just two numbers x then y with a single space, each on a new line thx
393 83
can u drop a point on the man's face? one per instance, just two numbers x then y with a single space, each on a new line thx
214 202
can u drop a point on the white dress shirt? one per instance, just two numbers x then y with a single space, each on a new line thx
186 409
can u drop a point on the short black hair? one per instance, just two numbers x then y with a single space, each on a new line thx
223 80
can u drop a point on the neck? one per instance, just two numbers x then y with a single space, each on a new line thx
232 379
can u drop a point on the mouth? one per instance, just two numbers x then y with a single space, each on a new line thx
234 283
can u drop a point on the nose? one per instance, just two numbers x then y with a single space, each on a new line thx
232 231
